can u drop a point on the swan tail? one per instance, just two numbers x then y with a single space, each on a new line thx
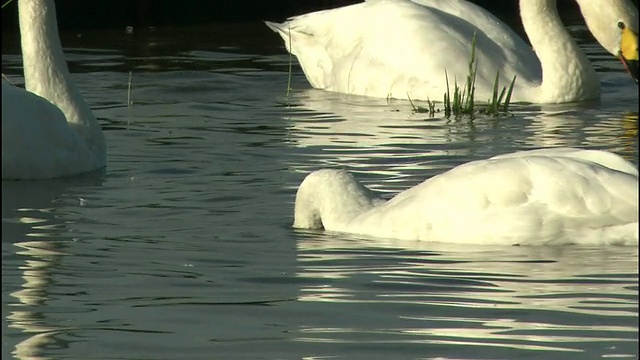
277 28
300 41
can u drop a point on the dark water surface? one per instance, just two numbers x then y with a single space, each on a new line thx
182 248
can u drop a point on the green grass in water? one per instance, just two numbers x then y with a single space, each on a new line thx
462 103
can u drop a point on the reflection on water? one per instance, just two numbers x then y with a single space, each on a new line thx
543 299
586 128
183 248
344 121
385 139
32 222
371 136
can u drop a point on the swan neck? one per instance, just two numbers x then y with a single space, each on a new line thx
45 69
331 200
566 70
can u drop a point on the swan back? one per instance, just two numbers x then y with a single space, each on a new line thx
604 158
533 197
349 50
400 48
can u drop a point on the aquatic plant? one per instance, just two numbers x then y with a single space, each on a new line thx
462 101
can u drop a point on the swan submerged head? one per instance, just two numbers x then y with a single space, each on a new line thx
614 24
552 196
327 198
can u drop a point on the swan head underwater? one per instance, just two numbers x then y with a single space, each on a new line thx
615 26
553 196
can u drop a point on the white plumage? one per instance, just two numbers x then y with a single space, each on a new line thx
547 196
400 48
48 130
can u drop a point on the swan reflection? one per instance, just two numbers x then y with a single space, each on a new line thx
554 126
35 238
363 132
513 297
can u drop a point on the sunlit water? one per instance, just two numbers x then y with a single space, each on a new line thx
182 248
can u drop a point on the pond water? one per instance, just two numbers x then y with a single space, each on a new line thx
183 248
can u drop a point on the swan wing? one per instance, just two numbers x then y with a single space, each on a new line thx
392 47
37 141
515 200
604 158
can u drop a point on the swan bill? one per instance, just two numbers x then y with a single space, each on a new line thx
629 52
632 67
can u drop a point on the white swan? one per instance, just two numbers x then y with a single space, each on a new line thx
400 48
48 131
547 196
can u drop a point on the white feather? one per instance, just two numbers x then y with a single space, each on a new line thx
549 196
48 130
401 48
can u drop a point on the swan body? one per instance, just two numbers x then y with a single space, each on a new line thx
48 130
546 196
401 48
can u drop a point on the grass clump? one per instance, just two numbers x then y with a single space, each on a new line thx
462 102
495 106
430 109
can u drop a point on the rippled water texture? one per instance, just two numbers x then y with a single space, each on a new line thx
182 248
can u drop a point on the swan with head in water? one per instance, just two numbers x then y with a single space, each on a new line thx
48 130
401 48
537 197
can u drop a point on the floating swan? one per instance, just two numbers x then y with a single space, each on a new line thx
546 196
48 131
401 48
